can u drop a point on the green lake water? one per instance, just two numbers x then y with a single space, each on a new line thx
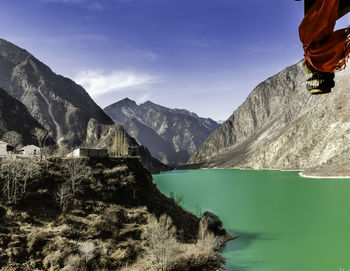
285 222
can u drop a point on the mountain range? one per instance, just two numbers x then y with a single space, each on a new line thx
32 95
171 135
282 126
279 126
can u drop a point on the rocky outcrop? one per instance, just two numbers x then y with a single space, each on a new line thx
14 116
281 126
171 135
57 103
102 136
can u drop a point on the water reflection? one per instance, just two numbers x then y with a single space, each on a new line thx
245 240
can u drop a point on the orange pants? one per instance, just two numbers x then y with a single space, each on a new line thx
324 49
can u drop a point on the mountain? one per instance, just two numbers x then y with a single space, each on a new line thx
171 135
282 126
220 121
14 116
57 103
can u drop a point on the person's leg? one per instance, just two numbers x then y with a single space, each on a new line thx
318 82
315 31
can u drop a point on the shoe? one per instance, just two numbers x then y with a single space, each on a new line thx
318 82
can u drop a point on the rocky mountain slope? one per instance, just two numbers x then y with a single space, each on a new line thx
57 103
171 135
14 116
112 222
281 126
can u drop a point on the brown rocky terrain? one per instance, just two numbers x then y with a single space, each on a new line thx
281 126
109 222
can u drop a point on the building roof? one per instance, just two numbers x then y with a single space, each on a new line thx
30 146
91 149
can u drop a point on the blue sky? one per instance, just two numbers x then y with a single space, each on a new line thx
202 55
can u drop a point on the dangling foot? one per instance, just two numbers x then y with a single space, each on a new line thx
318 82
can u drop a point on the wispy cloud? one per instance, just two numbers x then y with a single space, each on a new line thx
198 43
100 82
94 5
66 1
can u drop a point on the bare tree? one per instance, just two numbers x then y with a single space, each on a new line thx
15 174
62 195
10 175
77 170
31 170
41 136
13 138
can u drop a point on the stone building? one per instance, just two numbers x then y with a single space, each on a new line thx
31 150
5 148
85 152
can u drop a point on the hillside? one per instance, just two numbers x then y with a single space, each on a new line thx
110 221
171 135
281 126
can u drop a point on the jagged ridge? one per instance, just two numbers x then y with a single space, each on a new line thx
171 135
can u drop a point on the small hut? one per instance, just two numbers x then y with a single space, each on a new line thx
31 150
5 148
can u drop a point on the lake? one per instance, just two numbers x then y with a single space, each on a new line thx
285 222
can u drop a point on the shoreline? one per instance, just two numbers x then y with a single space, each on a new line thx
300 172
303 175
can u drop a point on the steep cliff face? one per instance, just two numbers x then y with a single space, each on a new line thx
102 136
160 148
171 135
61 106
15 117
281 126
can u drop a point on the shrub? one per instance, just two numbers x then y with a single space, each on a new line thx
206 242
87 249
161 237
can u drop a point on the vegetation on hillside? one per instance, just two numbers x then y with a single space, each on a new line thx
96 214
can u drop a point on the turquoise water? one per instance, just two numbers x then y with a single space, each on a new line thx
285 222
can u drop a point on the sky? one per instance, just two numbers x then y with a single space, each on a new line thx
205 56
